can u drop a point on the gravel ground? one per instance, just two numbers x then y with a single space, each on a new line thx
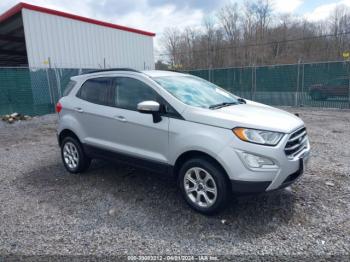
116 210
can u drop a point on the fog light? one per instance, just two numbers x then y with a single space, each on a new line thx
255 161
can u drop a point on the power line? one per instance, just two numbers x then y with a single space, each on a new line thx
259 44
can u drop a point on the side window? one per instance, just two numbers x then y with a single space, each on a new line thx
128 92
96 90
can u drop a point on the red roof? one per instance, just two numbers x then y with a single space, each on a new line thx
18 8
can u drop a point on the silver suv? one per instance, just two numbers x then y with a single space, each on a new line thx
213 142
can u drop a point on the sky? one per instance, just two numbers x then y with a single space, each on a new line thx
156 15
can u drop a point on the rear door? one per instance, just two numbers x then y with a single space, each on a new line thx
92 111
134 133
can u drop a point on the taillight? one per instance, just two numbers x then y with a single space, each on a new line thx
58 107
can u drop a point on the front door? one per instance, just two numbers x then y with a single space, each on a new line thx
132 132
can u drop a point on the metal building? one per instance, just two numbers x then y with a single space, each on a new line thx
40 37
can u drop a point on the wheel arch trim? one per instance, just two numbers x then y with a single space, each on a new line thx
190 154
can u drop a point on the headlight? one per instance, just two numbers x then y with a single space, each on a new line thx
258 136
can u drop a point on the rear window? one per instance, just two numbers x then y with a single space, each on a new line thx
69 88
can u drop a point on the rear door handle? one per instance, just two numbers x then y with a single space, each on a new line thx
79 109
120 118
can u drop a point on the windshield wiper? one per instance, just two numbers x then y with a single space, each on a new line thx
216 106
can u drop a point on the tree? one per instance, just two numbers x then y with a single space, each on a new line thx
339 24
230 21
171 38
251 34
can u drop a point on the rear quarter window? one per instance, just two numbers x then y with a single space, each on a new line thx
69 88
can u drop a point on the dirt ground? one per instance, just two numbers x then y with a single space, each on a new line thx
117 210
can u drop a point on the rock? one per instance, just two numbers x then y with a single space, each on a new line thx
112 212
15 117
224 222
20 117
329 183
5 117
288 189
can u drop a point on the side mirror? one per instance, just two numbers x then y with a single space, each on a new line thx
150 107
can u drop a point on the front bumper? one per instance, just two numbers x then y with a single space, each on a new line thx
250 187
250 180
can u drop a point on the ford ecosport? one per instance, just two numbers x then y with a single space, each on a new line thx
213 142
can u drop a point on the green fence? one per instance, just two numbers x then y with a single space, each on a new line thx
315 85
32 91
36 91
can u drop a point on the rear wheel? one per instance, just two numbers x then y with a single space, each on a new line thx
204 185
73 156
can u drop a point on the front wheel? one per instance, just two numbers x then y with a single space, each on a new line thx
73 156
204 185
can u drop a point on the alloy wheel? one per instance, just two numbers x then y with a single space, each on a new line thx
200 187
70 155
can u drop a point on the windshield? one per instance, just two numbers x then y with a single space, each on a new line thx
195 91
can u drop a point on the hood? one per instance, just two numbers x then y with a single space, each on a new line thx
250 115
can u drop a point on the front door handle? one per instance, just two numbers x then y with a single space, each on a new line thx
79 109
120 118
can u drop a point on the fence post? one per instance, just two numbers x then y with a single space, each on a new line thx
297 89
255 82
251 90
210 76
252 93
49 85
302 85
58 74
349 83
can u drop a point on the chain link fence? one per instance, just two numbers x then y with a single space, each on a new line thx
35 91
32 91
323 85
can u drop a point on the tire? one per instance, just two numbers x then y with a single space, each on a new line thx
73 157
193 191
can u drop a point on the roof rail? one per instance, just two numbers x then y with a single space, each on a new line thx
111 69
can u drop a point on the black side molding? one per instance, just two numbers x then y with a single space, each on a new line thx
154 166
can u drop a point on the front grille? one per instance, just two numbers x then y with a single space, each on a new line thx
296 142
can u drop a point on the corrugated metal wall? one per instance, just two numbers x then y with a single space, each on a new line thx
75 44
